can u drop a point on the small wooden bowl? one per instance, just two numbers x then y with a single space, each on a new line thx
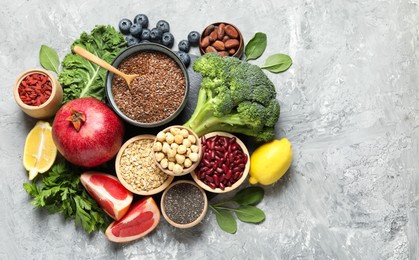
185 170
197 220
239 181
239 51
49 107
121 178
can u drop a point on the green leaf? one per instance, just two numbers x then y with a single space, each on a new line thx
250 214
226 221
256 46
49 59
249 196
81 78
277 63
31 189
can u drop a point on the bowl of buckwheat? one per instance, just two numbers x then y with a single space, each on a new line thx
136 168
177 150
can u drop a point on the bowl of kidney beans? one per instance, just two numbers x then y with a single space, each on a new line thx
224 165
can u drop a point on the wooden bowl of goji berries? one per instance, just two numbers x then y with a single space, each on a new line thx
38 93
224 165
222 38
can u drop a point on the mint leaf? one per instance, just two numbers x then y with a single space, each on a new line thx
249 196
49 59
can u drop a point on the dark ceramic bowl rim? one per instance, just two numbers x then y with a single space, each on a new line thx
143 47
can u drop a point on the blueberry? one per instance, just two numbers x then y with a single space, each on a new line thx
125 25
141 19
193 38
136 30
167 39
145 35
184 57
155 35
163 25
131 40
184 46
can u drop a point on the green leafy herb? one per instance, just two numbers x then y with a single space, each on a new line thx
81 78
277 63
48 58
256 46
249 196
60 191
251 214
242 204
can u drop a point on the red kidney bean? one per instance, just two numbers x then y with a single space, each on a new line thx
212 185
216 180
221 185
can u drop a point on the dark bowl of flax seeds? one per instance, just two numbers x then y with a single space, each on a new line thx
157 95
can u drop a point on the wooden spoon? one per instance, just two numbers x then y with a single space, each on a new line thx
95 59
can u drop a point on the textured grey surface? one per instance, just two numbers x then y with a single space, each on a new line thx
349 106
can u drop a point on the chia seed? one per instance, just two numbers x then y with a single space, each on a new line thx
184 203
156 93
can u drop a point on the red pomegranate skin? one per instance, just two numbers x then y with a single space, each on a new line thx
99 138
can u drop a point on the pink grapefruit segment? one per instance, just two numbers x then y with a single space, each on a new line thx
108 192
141 219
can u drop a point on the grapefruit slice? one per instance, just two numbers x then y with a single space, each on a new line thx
141 219
108 192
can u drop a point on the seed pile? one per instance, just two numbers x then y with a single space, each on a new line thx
138 167
223 162
156 94
176 149
184 203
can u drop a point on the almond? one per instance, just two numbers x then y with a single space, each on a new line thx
218 45
205 42
210 49
232 43
220 31
213 36
231 31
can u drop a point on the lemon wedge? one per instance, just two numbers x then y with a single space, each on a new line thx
40 151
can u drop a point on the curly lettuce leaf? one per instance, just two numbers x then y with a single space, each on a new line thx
81 78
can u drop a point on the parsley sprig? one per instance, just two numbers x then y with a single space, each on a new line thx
60 191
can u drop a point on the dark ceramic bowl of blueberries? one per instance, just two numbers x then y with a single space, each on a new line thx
140 30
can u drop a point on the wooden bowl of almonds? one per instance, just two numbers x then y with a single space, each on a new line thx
136 168
177 150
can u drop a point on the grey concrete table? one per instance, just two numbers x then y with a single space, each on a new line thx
349 106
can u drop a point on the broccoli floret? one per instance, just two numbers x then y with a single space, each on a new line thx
236 97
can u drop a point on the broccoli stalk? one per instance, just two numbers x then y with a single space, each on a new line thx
235 97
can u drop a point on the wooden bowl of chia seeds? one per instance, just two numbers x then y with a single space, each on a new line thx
157 95
136 169
184 204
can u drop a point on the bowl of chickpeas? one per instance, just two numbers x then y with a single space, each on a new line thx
177 150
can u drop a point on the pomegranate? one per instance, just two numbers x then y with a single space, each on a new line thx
87 132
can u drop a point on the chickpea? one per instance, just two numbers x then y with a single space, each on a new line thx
181 149
187 163
187 143
184 133
170 138
180 159
194 157
157 147
192 139
159 156
164 163
178 139
171 166
166 147
177 169
194 148
171 153
161 137
174 130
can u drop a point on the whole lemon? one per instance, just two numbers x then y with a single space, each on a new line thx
270 161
